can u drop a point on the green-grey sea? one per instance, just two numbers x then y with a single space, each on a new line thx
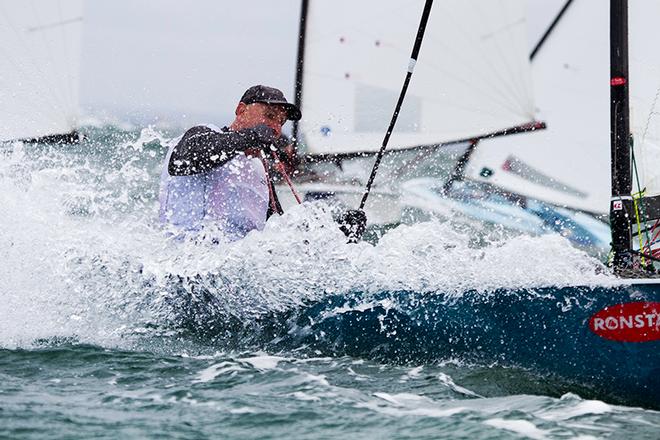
112 328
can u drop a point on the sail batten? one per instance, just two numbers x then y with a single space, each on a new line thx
473 78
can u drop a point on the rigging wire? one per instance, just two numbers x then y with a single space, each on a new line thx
638 203
650 115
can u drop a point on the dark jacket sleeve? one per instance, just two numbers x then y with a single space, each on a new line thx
202 149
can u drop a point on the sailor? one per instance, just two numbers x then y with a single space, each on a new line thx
220 175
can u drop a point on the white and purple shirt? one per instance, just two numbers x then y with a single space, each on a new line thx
234 195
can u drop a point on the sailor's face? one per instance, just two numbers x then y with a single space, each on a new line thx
274 116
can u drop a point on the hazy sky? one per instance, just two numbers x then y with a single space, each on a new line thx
196 58
189 61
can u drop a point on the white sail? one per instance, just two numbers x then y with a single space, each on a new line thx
472 77
568 164
644 80
39 67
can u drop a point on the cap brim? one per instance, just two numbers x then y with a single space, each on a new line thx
293 113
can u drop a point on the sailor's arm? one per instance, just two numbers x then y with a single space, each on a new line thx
202 148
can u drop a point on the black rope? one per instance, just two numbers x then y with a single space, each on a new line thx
411 67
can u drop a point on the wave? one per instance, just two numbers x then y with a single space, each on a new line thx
85 257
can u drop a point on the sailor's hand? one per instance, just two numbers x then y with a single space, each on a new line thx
282 142
278 146
263 137
353 223
260 136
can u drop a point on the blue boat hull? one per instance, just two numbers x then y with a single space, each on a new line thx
545 330
550 332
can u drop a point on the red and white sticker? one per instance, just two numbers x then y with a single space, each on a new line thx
617 205
628 322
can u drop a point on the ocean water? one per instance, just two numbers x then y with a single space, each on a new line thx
109 329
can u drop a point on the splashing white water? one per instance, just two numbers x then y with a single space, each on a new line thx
84 257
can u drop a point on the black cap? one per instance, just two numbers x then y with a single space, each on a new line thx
272 96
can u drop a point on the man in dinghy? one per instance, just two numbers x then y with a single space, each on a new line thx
221 174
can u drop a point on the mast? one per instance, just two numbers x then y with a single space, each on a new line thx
300 64
621 202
